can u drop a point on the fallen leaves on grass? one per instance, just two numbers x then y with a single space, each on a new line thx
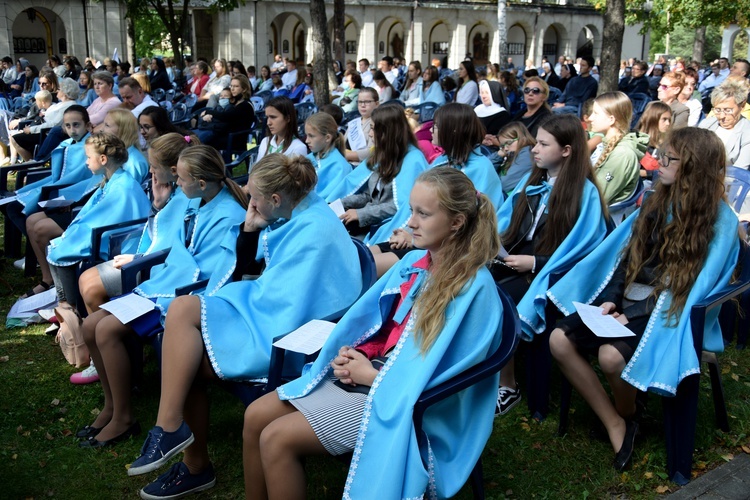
728 457
746 449
735 377
48 436
4 359
648 475
662 489
55 402
67 432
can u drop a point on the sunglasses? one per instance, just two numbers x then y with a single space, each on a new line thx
532 90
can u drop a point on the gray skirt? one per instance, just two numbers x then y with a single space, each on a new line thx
110 277
334 415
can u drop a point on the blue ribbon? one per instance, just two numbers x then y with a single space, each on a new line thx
544 189
408 301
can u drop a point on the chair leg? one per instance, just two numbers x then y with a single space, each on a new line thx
566 393
11 239
728 321
539 366
717 391
477 480
30 262
680 416
744 321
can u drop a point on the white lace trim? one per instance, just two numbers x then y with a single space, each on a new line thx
266 252
207 340
644 340
191 247
359 185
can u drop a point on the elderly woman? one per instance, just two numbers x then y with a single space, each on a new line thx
733 129
106 100
670 87
25 141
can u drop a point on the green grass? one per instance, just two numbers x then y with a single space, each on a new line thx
40 409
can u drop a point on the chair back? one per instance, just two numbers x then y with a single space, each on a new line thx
169 96
736 187
304 110
258 103
351 115
158 95
179 112
639 101
190 101
366 265
426 111
619 211
554 95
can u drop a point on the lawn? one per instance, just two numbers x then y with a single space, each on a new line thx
40 410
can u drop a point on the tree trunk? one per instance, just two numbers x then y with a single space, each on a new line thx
698 43
502 34
130 28
614 28
322 69
339 31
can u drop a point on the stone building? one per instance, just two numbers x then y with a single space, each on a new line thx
256 31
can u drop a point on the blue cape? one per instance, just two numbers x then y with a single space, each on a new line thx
457 429
331 170
434 94
167 224
479 169
665 354
589 230
414 164
312 272
136 166
68 166
121 199
200 259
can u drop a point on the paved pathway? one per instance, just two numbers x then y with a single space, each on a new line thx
731 481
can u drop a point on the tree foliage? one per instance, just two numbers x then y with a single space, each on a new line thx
687 13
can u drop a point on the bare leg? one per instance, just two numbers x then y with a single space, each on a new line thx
196 413
384 261
92 289
508 374
583 377
113 366
257 417
612 364
88 327
26 155
41 230
183 354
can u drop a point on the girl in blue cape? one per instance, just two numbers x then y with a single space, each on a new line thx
435 314
553 218
458 131
120 198
165 221
680 248
196 238
227 332
122 123
326 148
380 186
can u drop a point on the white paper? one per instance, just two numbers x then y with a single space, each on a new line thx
503 253
37 301
129 307
8 199
308 338
603 325
355 136
337 207
60 201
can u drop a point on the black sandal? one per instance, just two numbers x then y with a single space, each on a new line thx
31 291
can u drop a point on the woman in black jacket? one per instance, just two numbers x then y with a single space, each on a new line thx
159 78
216 123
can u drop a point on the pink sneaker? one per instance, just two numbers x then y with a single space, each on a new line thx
87 376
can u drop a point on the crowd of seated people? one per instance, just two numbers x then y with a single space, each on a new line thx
498 186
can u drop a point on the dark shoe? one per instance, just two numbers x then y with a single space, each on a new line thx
507 398
92 442
622 457
178 482
88 432
159 447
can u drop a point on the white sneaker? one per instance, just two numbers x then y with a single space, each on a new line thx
87 376
20 263
46 314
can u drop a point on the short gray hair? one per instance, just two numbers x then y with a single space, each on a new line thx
69 87
104 76
731 88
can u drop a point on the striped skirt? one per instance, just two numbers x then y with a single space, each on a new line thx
334 415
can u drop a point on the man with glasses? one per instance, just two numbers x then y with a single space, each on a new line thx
578 90
358 140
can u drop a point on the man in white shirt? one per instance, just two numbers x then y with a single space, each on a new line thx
278 64
558 66
10 74
365 73
386 66
289 79
712 80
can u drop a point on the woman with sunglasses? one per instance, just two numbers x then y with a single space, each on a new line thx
535 94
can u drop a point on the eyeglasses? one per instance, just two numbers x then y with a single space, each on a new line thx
507 144
665 159
365 102
663 87
724 111
532 90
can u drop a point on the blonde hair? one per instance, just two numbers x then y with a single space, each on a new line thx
324 124
205 163
731 88
109 145
127 125
142 80
618 105
294 176
462 254
43 96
